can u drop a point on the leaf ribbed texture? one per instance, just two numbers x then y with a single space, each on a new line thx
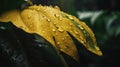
54 25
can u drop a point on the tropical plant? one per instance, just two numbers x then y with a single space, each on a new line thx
43 36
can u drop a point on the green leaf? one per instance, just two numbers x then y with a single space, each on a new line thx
6 5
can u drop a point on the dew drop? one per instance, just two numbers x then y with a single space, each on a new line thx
58 43
82 41
97 48
53 30
60 19
63 38
71 24
67 35
44 10
76 32
48 20
81 27
70 17
81 37
21 26
38 9
56 15
61 30
54 23
43 31
56 7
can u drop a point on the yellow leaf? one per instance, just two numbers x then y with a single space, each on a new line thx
54 25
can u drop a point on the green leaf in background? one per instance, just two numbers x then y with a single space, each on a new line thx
6 5
104 24
24 50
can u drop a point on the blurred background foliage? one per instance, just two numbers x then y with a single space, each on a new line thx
103 17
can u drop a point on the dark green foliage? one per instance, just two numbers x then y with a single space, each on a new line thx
65 5
70 61
110 5
106 26
6 5
21 49
10 50
103 23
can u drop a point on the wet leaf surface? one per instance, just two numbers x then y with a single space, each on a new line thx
54 25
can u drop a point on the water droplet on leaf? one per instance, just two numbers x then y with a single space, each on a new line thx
53 30
56 15
76 32
58 43
70 17
82 41
67 35
81 27
71 24
38 9
54 23
97 48
61 30
60 19
44 10
63 38
48 20
81 37
56 7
